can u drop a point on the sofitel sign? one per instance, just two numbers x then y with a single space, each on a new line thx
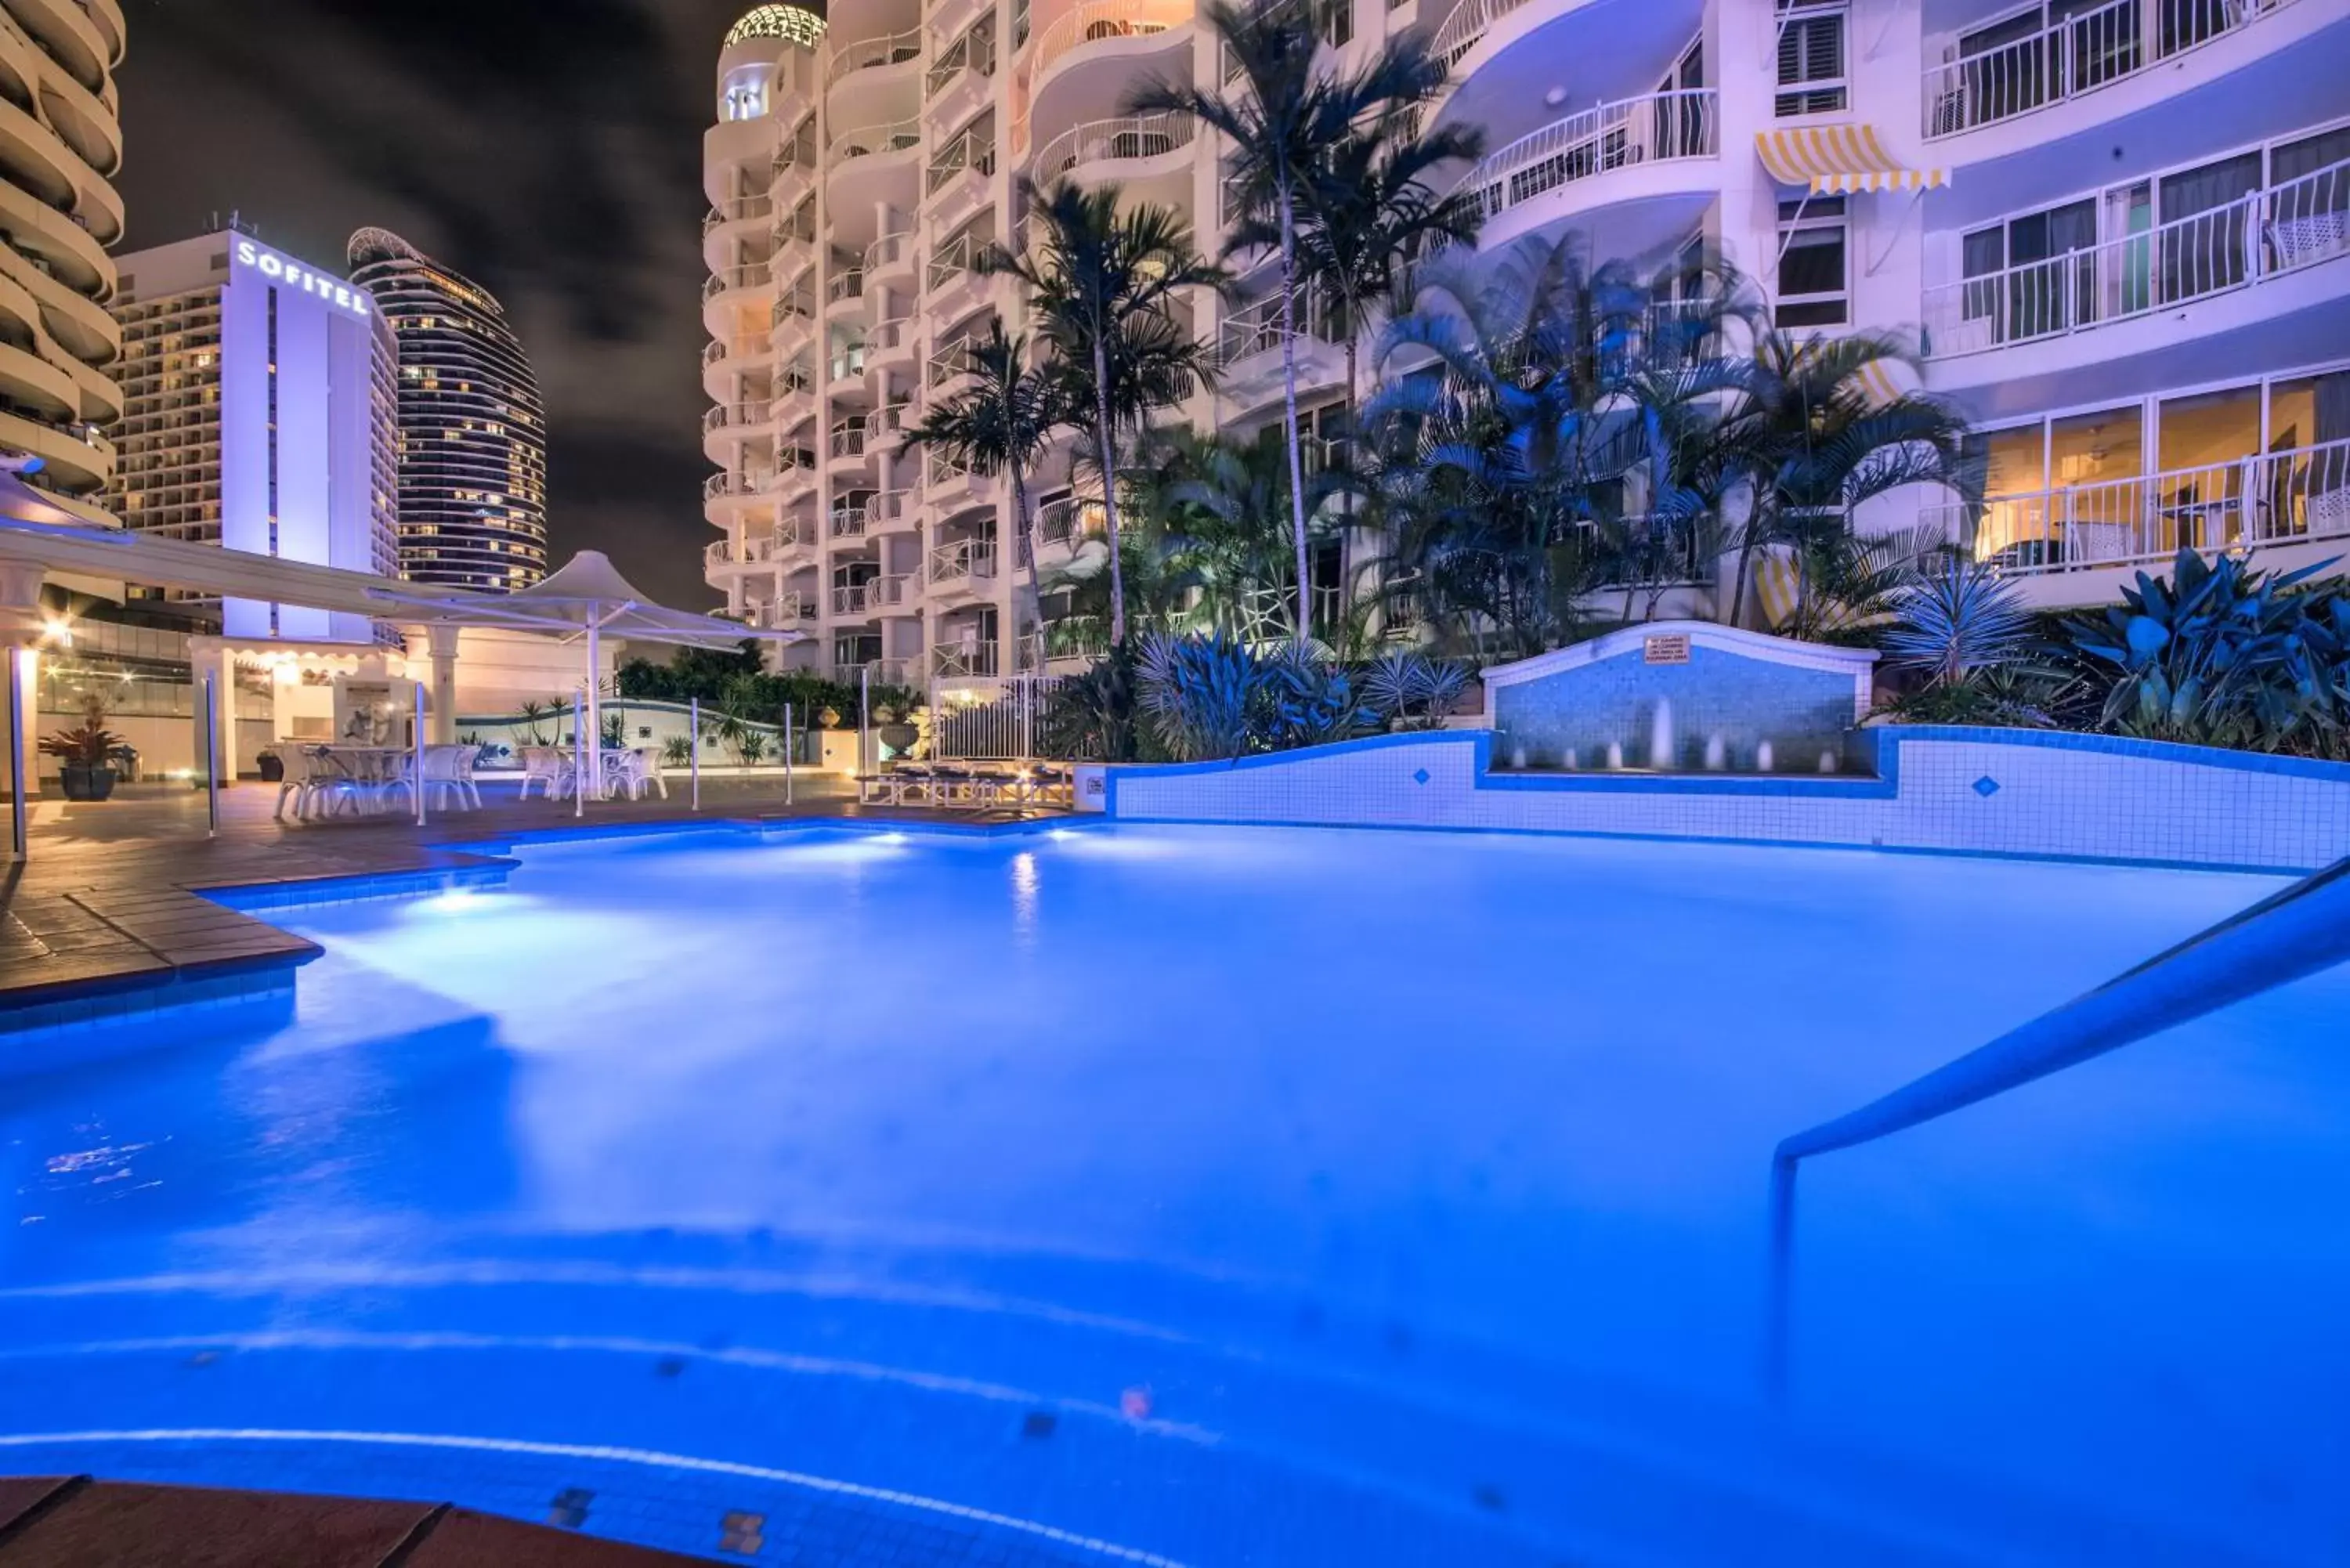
293 275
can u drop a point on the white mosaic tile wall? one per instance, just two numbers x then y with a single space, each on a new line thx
1947 790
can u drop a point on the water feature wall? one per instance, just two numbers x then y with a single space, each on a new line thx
1682 697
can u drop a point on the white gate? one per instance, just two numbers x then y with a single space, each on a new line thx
989 718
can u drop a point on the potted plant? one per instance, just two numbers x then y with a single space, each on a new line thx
86 754
272 765
898 732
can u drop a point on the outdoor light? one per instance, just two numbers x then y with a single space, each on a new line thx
56 632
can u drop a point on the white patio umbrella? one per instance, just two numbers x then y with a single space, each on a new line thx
589 592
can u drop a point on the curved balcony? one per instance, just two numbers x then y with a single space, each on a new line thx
967 566
2096 65
1104 29
881 147
891 512
68 33
892 256
751 275
1248 351
875 597
844 444
1606 155
1108 148
844 287
2238 270
753 209
876 53
87 121
726 427
1505 55
78 457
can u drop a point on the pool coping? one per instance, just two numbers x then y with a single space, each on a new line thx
206 942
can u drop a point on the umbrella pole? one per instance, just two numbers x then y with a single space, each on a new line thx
596 704
787 753
212 757
19 784
693 744
578 764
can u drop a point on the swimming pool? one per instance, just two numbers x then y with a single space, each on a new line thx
1210 1196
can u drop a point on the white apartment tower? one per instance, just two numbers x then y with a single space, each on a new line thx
260 415
2120 230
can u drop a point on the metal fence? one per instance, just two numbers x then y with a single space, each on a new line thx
994 718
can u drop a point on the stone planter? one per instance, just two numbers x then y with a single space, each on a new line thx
86 781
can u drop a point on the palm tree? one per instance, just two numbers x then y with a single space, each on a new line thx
1290 115
1370 214
1000 425
1812 439
1102 285
1226 497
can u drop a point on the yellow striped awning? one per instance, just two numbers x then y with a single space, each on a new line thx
1879 383
1839 158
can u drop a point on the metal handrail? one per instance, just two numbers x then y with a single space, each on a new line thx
1126 137
2070 56
864 54
973 49
755 275
2260 235
1469 23
888 250
968 150
1093 21
894 136
2285 936
1651 128
2284 497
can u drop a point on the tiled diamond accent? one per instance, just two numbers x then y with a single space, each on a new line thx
1419 777
1986 786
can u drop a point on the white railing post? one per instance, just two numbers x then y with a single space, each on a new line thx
789 745
579 757
416 756
20 787
693 748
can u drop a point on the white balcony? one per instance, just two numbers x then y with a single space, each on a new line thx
962 661
873 53
754 275
973 51
956 178
872 598
1603 154
2268 501
733 417
1249 351
890 255
1106 143
743 209
846 437
870 140
2256 240
2068 58
962 562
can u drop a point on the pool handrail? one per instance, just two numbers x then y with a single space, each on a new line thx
2291 934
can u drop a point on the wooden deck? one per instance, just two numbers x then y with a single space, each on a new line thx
76 1522
107 898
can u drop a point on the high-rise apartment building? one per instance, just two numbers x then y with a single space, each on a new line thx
260 415
473 429
2120 234
58 213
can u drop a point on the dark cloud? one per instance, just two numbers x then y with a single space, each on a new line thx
550 149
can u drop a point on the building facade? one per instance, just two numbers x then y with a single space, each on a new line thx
259 414
60 147
472 429
2120 234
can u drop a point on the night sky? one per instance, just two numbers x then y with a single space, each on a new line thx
549 149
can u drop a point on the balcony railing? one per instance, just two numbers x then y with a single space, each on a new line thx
961 561
888 510
867 139
2238 245
713 352
941 472
741 209
890 251
951 262
849 285
1106 141
866 54
1645 129
1076 636
1256 330
1065 519
869 597
973 50
847 438
2077 54
1094 20
1470 21
958 661
756 274
2266 499
970 152
730 416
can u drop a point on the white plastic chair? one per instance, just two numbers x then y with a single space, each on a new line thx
549 767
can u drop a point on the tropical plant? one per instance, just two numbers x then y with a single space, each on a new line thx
533 714
1100 283
2223 655
1290 115
615 731
751 745
1486 475
1954 617
1411 690
88 744
1810 437
1371 212
1000 425
1090 717
1224 500
1309 701
1202 695
676 752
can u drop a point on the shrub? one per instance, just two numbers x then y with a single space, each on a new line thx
1204 696
1411 690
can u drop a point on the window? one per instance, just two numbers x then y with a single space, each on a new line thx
747 94
1811 59
1335 20
1813 273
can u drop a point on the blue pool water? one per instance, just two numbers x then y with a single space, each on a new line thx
1210 1197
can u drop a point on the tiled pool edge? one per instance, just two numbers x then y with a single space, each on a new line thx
1937 790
